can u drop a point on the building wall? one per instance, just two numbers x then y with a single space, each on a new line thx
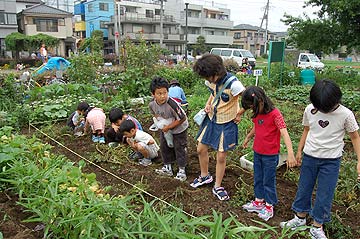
95 16
7 27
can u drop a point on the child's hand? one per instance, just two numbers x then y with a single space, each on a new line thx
291 161
207 108
237 119
298 158
245 143
166 128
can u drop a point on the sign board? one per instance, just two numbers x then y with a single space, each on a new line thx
258 72
277 50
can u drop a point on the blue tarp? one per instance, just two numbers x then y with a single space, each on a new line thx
53 64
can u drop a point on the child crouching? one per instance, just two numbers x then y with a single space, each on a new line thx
95 118
140 141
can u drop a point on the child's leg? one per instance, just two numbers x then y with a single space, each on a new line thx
308 175
143 150
258 177
327 179
167 153
180 143
203 153
269 164
220 167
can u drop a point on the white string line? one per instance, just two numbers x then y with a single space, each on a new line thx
112 174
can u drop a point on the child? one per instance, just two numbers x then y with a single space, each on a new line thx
325 122
76 122
269 125
95 118
116 117
176 92
163 107
140 141
219 129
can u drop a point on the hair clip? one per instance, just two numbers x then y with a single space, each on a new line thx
253 95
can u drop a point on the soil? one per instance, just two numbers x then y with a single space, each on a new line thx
197 202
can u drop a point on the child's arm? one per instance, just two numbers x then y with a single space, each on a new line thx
249 136
173 125
151 142
301 145
86 126
290 161
208 104
239 114
355 140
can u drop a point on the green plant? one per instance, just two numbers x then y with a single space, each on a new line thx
84 68
231 66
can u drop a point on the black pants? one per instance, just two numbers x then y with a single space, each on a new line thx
178 153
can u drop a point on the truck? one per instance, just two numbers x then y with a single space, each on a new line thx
309 60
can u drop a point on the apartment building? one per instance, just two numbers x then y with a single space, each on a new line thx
23 4
251 38
8 23
208 19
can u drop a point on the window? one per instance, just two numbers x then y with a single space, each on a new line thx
2 18
61 22
90 7
249 34
102 24
104 6
149 13
304 58
236 53
46 25
226 52
157 12
216 52
237 35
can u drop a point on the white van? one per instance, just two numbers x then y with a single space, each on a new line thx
235 54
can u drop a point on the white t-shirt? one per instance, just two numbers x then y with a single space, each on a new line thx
144 137
326 134
236 87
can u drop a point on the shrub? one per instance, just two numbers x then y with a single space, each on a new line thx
231 66
84 68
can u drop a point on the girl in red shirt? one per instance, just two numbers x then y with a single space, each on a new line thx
269 125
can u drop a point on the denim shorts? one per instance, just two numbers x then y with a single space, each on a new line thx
326 173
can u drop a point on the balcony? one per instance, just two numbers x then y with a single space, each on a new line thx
211 39
154 36
217 23
142 18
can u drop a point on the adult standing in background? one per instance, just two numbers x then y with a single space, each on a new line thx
43 53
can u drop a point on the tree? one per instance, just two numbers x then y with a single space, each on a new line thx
200 46
19 42
95 43
338 25
314 35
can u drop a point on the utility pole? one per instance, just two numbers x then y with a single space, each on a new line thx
186 32
266 28
161 23
116 30
265 16
119 31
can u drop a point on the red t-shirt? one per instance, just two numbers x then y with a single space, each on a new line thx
267 132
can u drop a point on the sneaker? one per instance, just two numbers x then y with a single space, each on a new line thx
317 233
164 171
220 193
145 162
201 181
294 223
181 176
254 206
95 139
266 213
101 140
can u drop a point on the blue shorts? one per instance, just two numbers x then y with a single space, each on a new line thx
221 137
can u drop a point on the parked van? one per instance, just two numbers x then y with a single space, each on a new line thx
235 54
308 60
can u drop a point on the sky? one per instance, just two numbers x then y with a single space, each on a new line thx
252 11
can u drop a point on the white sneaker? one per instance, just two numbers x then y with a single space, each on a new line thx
317 233
145 162
181 176
164 171
294 223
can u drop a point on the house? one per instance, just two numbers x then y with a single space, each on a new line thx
8 23
251 38
48 20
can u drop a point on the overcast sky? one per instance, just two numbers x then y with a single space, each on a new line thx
252 11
